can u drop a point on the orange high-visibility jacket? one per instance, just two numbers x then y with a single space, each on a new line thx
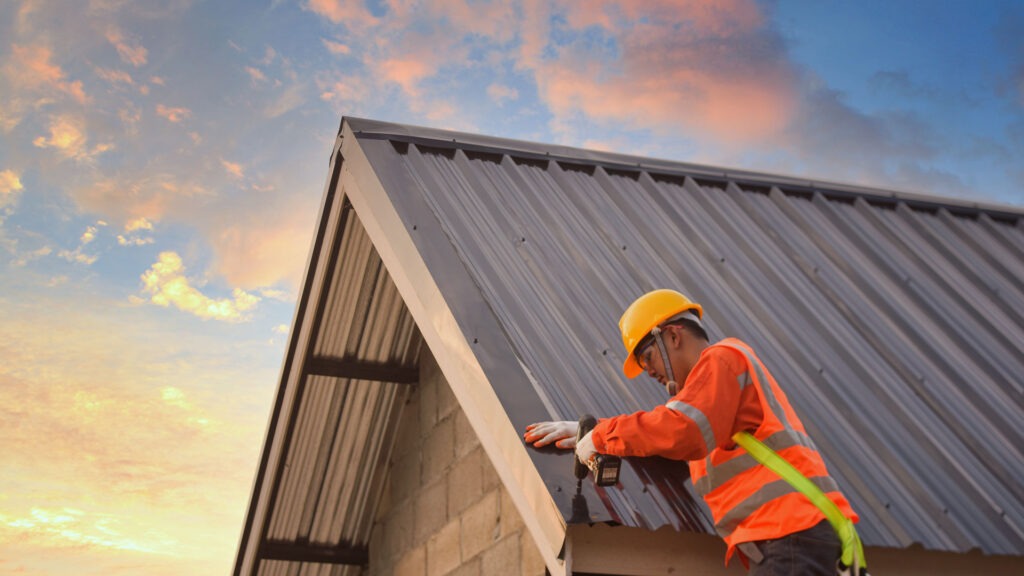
730 390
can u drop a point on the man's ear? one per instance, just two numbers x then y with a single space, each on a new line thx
676 334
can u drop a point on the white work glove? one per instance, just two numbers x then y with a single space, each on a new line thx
563 434
585 448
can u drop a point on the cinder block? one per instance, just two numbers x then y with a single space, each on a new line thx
465 438
428 386
409 437
412 564
502 558
438 451
431 510
404 477
511 521
465 485
530 558
489 475
398 529
480 525
471 568
443 550
446 401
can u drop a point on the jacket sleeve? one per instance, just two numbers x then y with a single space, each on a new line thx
691 424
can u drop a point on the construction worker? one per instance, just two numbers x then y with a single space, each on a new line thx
724 389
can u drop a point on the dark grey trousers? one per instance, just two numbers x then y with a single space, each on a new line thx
812 552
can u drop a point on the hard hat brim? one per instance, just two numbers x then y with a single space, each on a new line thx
631 368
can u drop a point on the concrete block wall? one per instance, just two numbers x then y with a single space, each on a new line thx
444 511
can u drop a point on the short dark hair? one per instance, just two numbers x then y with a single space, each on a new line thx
692 327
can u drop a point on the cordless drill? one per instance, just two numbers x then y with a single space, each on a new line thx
604 467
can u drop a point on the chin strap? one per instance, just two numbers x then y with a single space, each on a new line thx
671 386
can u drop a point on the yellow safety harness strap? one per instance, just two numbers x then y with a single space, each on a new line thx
853 551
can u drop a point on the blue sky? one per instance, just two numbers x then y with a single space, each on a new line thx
162 164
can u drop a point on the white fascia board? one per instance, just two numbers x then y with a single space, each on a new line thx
422 296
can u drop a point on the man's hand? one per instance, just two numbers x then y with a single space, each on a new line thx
585 448
563 434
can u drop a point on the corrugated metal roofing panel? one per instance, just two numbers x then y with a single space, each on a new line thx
339 433
892 319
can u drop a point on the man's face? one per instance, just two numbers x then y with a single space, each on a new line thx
650 357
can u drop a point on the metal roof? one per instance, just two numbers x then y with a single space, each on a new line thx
894 321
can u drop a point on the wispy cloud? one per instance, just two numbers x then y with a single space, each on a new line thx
336 47
233 168
167 285
172 113
30 68
115 76
348 12
255 74
501 93
88 410
130 51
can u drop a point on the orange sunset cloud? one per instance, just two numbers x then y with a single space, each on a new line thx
130 52
709 69
30 68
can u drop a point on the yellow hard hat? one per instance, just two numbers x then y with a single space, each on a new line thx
643 315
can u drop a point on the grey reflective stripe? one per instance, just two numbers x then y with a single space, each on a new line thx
744 380
765 388
728 523
718 475
699 418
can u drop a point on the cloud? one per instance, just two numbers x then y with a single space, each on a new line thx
289 99
343 92
115 76
67 136
713 69
30 68
138 224
501 93
10 185
348 12
167 285
234 169
255 74
117 437
173 114
407 71
336 47
131 52
133 233
78 257
71 528
150 196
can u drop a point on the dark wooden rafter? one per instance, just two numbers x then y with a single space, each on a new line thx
320 554
354 369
